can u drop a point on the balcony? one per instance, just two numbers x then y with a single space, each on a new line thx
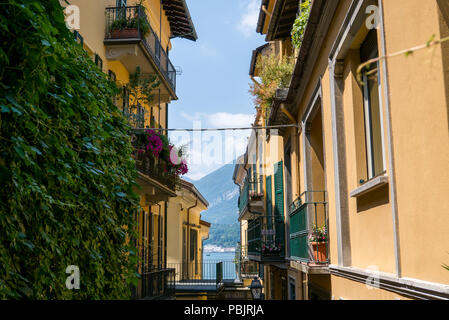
251 200
155 285
130 39
208 276
157 183
266 239
308 232
247 269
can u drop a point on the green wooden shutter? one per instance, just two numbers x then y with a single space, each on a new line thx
279 191
279 203
269 204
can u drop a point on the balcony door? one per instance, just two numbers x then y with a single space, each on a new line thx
121 3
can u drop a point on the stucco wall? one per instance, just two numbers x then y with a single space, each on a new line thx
419 113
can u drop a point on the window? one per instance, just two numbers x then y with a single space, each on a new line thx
125 101
292 288
193 245
112 76
284 288
372 107
78 37
121 3
99 62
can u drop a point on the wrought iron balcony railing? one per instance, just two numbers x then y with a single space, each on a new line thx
266 238
308 234
245 267
157 284
251 197
131 23
206 273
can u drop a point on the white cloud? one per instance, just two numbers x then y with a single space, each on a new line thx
221 119
248 21
229 120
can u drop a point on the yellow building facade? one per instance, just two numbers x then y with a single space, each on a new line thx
187 231
364 153
122 37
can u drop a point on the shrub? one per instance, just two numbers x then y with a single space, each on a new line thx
275 73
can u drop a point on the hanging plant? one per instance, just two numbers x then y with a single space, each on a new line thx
300 24
275 73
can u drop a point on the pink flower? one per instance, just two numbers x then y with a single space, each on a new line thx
154 143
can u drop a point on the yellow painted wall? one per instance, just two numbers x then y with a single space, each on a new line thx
92 23
421 139
177 219
345 289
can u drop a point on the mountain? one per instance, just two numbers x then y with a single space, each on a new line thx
222 194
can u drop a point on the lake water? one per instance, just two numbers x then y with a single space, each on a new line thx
210 259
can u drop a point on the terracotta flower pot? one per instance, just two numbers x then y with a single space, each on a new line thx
319 251
125 33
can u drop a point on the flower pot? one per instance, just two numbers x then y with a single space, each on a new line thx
319 251
125 33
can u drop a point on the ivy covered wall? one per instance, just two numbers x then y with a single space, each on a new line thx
66 172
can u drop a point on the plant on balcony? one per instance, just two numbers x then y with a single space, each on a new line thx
168 158
299 27
271 248
318 239
140 89
275 73
128 27
254 194
318 234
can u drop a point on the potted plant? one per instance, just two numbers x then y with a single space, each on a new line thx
318 240
124 27
254 195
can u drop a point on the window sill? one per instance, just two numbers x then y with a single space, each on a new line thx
369 186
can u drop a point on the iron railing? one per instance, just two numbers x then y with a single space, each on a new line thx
148 164
205 273
266 237
244 266
157 284
252 191
131 23
308 215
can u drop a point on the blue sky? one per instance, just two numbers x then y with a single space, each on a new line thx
213 87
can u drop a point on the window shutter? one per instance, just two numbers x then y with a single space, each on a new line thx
279 203
269 204
279 190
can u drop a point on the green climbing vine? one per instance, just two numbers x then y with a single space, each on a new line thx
66 171
299 27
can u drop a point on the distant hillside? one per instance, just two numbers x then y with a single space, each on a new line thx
222 195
